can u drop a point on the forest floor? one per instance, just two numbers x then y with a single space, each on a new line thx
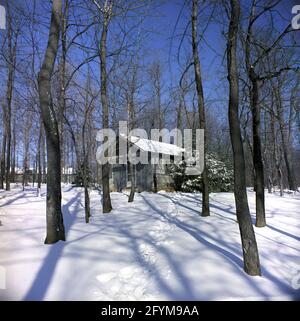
157 248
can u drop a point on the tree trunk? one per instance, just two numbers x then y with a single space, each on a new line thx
106 202
8 126
62 93
249 246
131 115
155 189
26 153
8 150
201 109
34 172
24 179
132 180
285 139
85 165
13 154
55 226
11 54
2 164
39 165
257 153
87 204
259 185
44 164
288 159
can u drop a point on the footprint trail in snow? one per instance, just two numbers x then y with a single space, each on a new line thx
133 282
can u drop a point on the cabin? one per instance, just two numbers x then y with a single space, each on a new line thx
146 175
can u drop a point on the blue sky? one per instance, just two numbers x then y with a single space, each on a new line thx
212 50
164 44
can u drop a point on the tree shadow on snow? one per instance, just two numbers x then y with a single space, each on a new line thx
276 229
233 256
21 195
184 292
44 276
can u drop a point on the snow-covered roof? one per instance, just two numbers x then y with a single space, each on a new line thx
153 146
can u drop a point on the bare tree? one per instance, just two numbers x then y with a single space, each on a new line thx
39 158
14 146
62 80
106 11
201 108
155 74
256 119
26 145
130 92
12 39
85 164
284 127
55 226
249 246
255 59
3 149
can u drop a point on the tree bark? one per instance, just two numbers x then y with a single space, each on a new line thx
55 226
285 139
259 184
201 109
287 158
12 47
62 93
13 153
132 180
277 158
257 153
131 114
3 149
87 204
106 201
44 163
85 165
26 152
249 246
39 163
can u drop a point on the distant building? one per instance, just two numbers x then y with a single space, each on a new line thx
145 174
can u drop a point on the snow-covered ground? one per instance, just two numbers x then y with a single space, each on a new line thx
156 248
